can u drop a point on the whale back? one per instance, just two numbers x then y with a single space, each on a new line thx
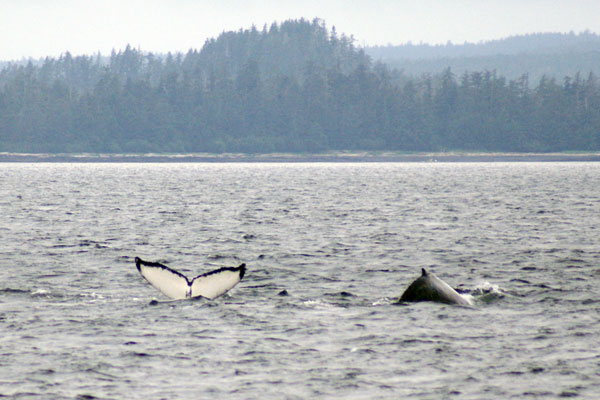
428 287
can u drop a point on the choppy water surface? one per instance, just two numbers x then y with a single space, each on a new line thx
328 247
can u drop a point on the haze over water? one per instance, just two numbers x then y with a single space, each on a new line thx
329 247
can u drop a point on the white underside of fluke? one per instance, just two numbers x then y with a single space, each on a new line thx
177 286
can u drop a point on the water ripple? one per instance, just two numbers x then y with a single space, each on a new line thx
329 249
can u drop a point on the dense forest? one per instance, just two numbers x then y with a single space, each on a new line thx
291 87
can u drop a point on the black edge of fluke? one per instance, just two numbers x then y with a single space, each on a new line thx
241 268
139 262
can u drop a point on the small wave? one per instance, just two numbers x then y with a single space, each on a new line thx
317 304
92 295
49 294
384 302
384 270
13 291
220 257
342 299
62 246
90 243
342 294
486 287
486 292
297 255
362 350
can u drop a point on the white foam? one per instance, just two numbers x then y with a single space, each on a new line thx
486 288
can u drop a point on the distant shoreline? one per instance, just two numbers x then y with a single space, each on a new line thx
299 158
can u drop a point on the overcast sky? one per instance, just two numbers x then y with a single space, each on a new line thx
39 28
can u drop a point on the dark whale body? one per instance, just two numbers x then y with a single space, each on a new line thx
428 287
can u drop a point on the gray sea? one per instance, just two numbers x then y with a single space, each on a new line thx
329 249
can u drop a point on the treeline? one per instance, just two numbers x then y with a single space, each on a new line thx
541 54
534 43
290 87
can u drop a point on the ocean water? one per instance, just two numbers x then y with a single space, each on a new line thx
329 248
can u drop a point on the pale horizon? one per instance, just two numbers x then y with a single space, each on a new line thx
36 29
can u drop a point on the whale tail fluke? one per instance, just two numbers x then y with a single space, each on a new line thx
177 286
216 283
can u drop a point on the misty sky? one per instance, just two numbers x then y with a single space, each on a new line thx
39 28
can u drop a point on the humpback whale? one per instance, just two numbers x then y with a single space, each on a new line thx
177 286
428 287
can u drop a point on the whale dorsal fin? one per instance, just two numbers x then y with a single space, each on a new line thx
423 272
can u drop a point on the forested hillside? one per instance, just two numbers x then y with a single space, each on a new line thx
542 54
291 87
